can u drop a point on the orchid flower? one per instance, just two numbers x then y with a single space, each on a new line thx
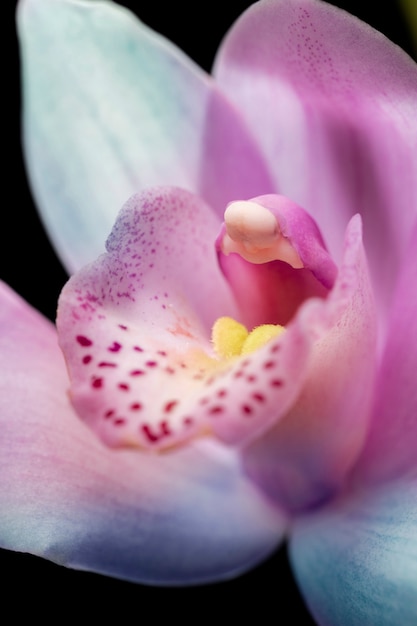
237 366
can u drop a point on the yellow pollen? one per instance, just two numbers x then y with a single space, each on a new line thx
231 339
228 337
260 335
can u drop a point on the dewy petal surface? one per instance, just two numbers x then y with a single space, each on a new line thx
356 561
184 517
340 99
110 108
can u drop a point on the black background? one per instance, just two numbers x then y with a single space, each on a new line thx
29 265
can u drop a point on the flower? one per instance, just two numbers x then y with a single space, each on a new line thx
337 135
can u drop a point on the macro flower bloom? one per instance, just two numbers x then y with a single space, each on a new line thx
240 366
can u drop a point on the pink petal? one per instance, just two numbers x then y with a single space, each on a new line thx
306 456
183 517
391 449
332 103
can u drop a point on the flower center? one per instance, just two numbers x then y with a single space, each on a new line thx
133 325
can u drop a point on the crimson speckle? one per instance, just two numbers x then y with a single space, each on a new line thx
275 348
238 374
97 383
84 341
170 370
222 393
107 364
137 373
162 352
146 429
138 348
188 421
122 326
119 421
109 413
247 409
123 386
169 406
259 397
115 347
136 406
151 363
269 364
251 378
216 410
165 428
87 358
276 382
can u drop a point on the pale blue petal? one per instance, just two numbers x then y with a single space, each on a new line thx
356 562
110 107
